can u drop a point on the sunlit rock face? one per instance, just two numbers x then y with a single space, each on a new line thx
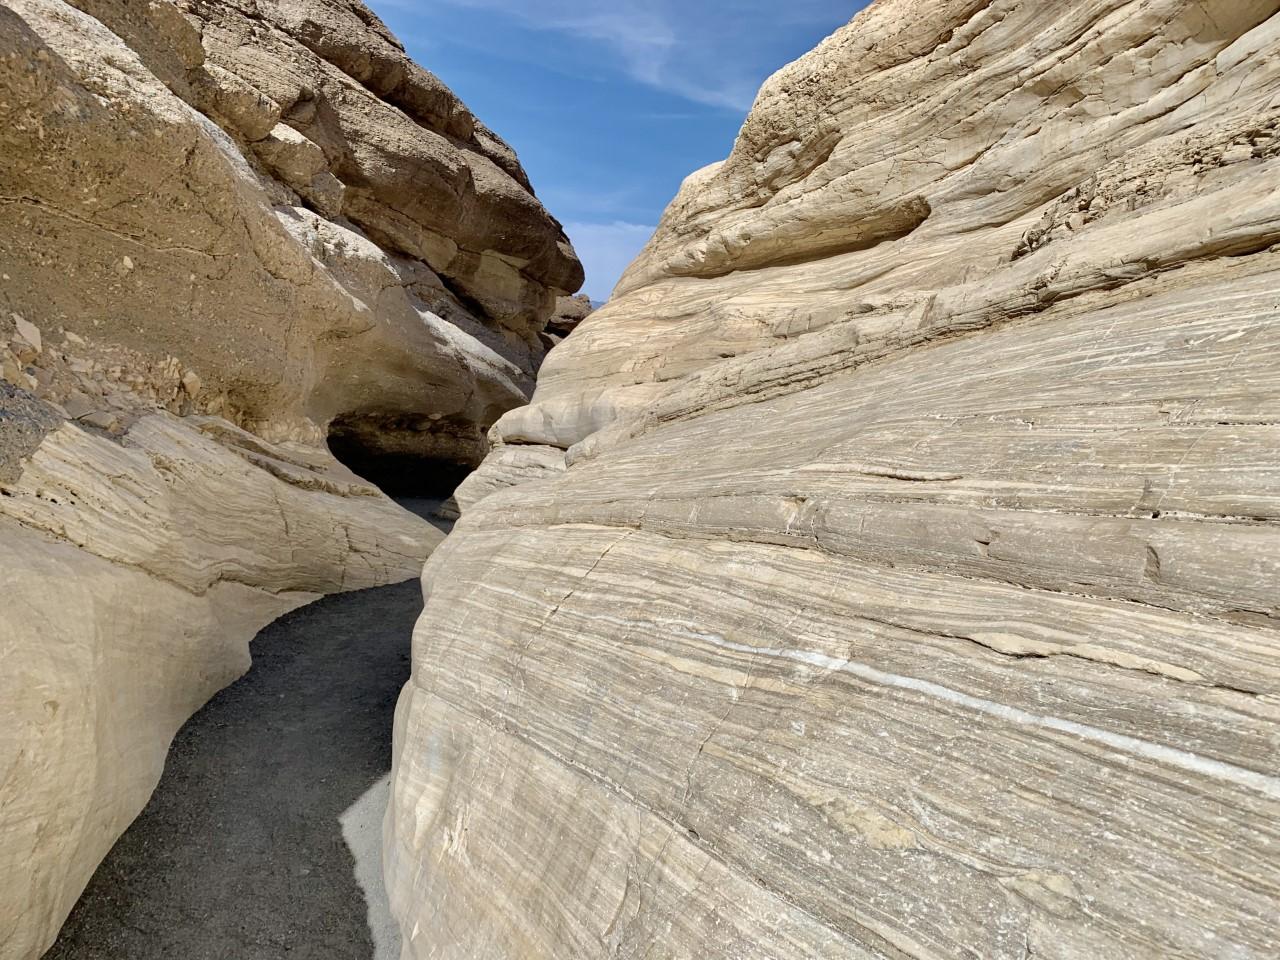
228 231
911 589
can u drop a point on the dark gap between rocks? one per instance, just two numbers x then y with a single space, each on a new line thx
408 457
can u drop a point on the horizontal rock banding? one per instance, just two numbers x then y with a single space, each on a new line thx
228 231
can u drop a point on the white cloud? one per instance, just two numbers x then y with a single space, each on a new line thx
713 52
607 249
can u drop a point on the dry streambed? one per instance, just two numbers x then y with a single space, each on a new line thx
262 840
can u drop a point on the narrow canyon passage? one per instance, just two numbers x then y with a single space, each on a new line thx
263 838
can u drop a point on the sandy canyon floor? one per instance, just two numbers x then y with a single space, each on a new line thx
264 837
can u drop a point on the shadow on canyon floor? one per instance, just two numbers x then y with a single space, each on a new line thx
240 855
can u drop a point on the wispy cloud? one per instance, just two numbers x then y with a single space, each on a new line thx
611 102
593 204
607 249
706 52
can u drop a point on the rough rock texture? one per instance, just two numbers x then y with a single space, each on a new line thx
127 214
227 231
911 590
509 466
569 314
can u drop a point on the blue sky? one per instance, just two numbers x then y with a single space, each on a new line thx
611 103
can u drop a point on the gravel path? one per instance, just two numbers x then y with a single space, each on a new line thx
241 855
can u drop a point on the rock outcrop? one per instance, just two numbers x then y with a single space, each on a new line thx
569 314
229 231
900 578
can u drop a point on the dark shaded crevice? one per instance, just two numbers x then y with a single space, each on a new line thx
240 853
408 457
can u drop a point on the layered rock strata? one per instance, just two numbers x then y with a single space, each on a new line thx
228 232
904 582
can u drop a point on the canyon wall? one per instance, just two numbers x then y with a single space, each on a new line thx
891 568
229 232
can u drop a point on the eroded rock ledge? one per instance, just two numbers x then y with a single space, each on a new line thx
891 568
228 231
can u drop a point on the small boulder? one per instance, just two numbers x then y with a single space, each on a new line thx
102 419
191 383
570 311
29 332
78 406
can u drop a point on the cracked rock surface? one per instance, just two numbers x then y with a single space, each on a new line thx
225 227
891 568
